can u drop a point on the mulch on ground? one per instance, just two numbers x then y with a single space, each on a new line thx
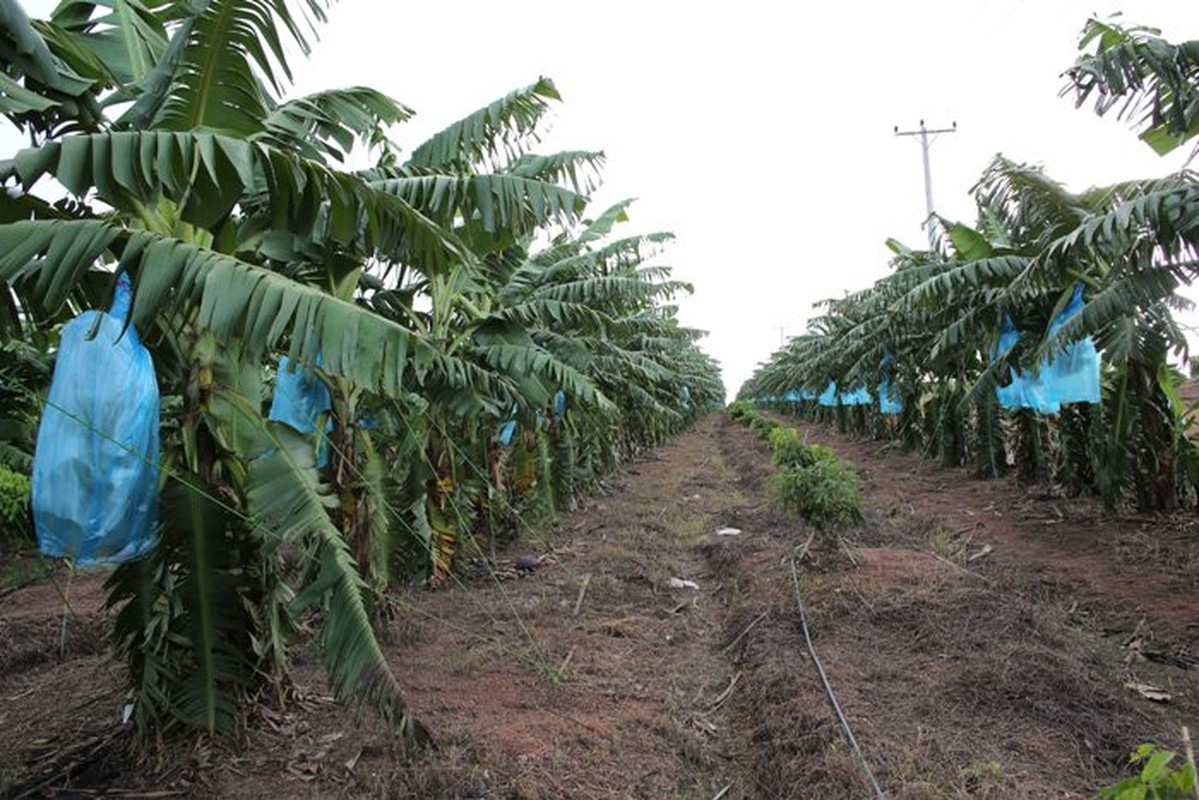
999 677
634 652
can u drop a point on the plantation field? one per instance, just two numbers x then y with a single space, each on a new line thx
979 636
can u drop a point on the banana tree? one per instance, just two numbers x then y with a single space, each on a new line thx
1131 245
1149 81
231 234
403 287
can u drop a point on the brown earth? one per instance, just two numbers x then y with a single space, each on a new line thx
1137 565
590 676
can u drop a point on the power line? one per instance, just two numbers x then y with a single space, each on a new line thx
925 142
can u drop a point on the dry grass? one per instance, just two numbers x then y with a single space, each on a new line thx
957 685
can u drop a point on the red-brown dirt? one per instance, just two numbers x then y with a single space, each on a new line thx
1135 566
593 677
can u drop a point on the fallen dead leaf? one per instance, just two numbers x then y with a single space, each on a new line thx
1149 692
983 553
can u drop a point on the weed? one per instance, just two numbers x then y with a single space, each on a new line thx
554 675
1157 780
735 592
981 774
762 427
476 656
693 528
23 571
947 544
825 494
551 674
16 524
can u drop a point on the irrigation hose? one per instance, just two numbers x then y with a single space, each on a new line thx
828 689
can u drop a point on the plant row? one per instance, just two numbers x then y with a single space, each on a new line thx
811 482
1042 337
485 344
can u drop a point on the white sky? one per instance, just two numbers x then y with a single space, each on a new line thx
759 132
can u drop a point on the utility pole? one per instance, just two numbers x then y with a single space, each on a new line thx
925 143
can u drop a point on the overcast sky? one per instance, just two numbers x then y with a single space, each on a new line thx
761 133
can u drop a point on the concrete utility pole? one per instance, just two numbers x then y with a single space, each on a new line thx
925 143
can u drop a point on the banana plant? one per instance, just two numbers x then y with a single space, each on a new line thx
939 315
408 288
229 232
1149 81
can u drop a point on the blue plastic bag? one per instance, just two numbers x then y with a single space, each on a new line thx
299 401
1072 375
829 396
1069 376
858 397
888 399
1010 396
1025 391
507 430
96 463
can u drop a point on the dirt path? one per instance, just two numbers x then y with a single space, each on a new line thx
579 671
1131 568
592 677
995 678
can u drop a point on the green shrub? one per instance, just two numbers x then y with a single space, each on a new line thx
815 453
824 493
16 525
742 410
789 449
762 427
1156 780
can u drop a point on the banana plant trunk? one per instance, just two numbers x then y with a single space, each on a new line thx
1155 478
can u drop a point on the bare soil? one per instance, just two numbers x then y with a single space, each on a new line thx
590 675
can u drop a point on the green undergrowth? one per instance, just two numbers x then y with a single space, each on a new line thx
812 482
1158 778
16 527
